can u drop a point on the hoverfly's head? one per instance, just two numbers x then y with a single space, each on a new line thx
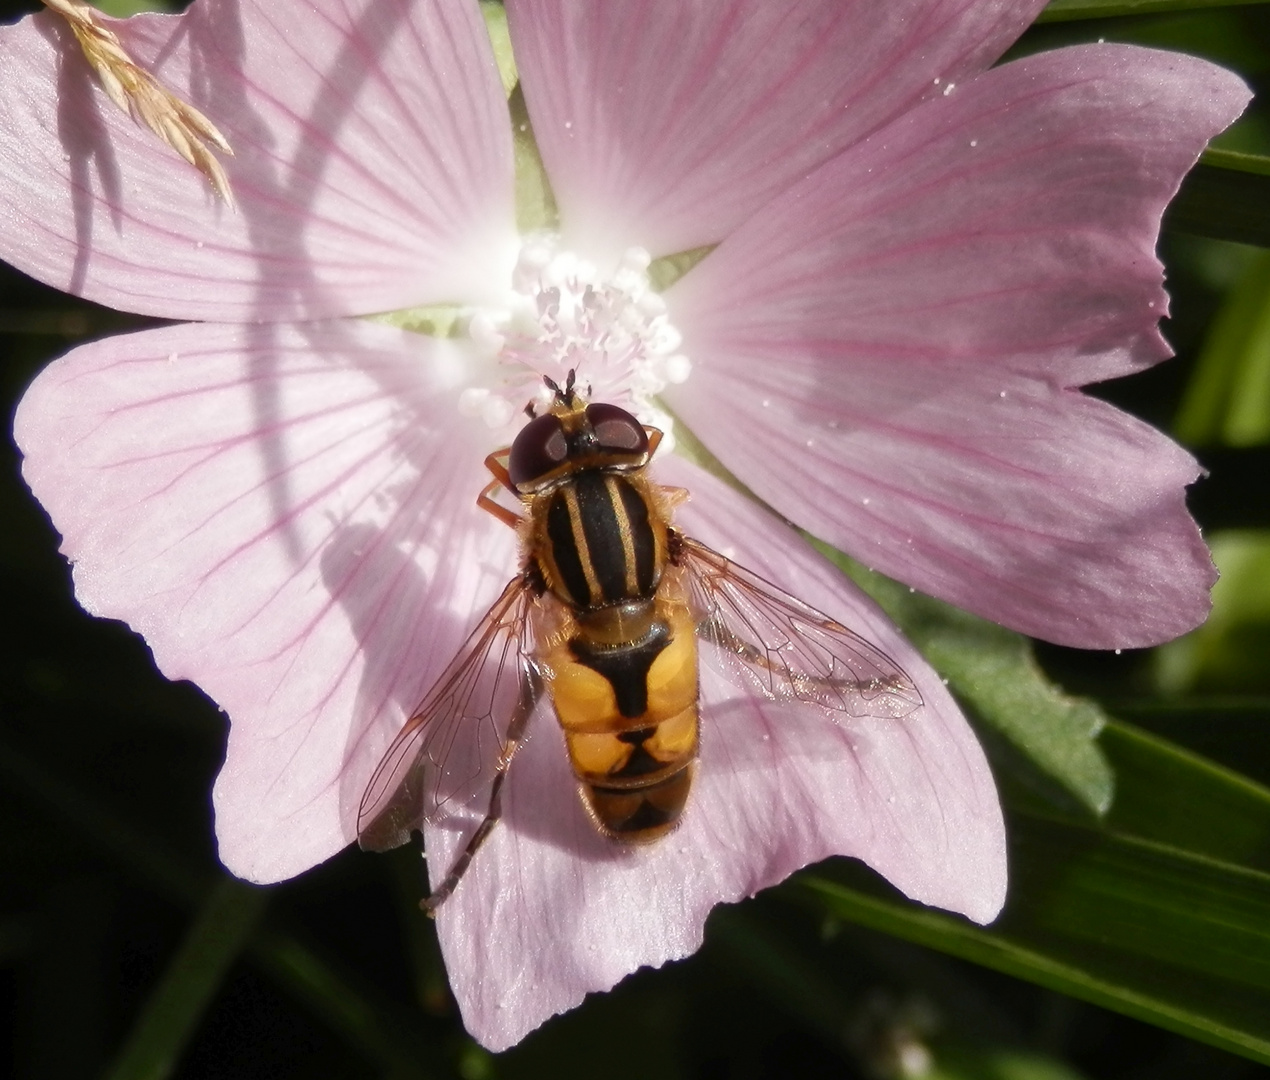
573 436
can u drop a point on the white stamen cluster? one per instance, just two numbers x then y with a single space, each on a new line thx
564 315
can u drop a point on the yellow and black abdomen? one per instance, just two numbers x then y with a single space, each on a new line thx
624 683
629 714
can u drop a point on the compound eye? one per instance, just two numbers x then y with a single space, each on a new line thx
616 430
540 447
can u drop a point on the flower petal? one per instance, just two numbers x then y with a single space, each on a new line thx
666 123
778 787
372 166
915 313
1053 513
274 508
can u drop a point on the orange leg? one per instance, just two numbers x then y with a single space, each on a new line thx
496 463
675 496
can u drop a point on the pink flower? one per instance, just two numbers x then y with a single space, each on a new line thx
919 262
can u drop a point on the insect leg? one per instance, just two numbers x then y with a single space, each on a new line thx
530 690
675 497
485 500
496 463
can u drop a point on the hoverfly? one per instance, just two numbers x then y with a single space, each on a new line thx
605 616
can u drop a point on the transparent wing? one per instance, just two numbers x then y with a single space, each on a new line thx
455 743
786 649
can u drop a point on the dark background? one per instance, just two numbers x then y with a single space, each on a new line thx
107 849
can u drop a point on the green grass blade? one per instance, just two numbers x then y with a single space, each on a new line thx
1228 652
1227 399
1067 10
177 1004
1258 164
1169 795
387 1034
1224 202
1161 911
384 1033
1157 933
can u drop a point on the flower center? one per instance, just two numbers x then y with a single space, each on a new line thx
563 316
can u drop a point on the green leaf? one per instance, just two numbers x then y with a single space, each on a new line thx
1096 928
170 1017
665 271
1169 795
535 201
1237 160
1228 652
1161 912
1227 729
121 9
1224 202
1065 10
1045 738
1227 400
978 1063
495 16
862 1000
